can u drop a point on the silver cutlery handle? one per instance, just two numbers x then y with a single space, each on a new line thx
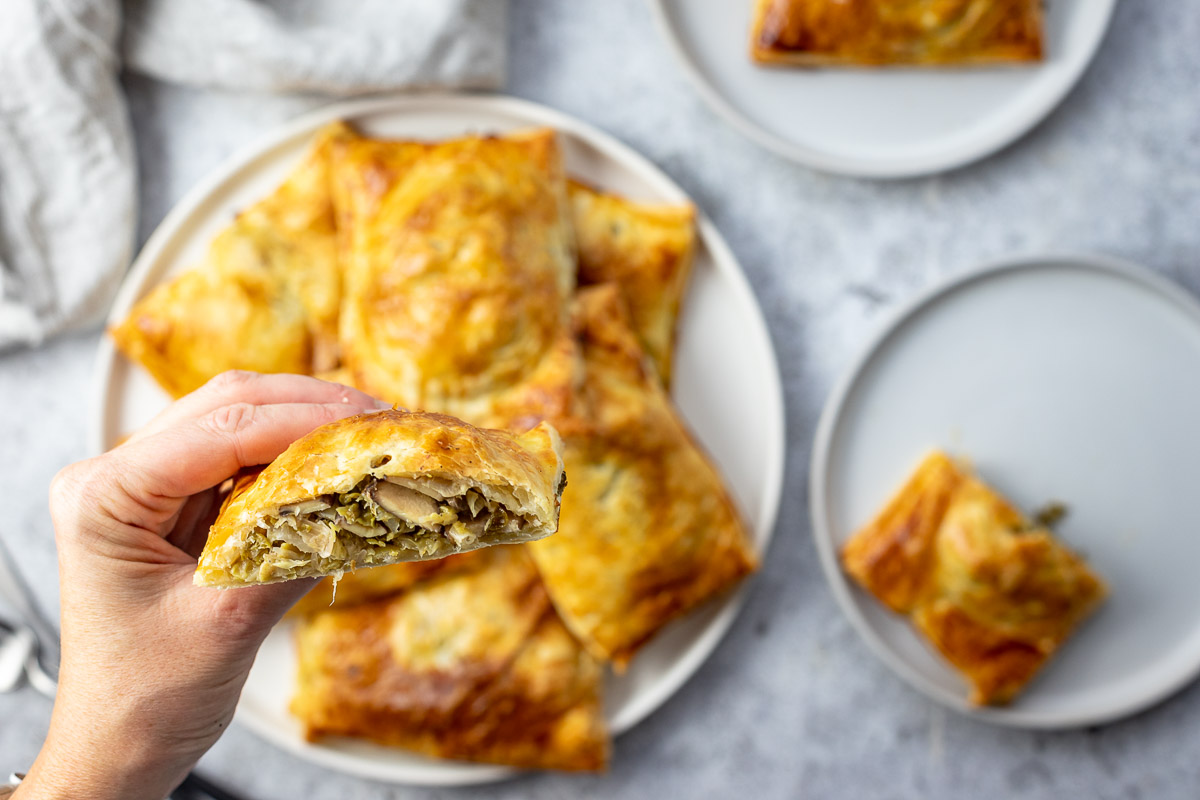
14 590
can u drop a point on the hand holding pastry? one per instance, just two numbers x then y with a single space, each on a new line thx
153 665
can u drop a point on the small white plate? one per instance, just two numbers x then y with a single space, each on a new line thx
881 123
724 361
1061 377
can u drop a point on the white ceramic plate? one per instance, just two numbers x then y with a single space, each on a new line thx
877 123
724 361
1071 378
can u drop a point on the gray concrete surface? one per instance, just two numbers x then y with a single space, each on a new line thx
792 704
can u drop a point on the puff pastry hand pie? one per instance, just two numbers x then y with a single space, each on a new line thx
266 297
384 488
648 529
995 594
459 262
909 32
472 664
647 250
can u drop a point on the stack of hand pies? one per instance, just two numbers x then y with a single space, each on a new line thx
472 278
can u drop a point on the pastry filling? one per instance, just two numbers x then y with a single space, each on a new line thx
371 524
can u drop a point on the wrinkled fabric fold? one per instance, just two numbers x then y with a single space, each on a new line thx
331 46
68 208
67 182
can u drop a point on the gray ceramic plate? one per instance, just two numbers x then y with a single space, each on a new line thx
1072 378
882 123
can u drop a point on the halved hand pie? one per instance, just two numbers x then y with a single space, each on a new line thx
995 594
384 488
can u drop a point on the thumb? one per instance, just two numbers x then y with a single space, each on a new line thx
155 474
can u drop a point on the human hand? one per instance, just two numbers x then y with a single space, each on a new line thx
152 666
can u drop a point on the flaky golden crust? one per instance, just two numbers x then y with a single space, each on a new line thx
545 392
459 261
470 665
907 32
993 593
265 299
522 473
647 250
648 530
893 554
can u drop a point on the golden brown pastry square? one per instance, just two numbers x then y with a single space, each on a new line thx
382 488
994 593
459 262
877 33
648 529
471 664
644 248
266 297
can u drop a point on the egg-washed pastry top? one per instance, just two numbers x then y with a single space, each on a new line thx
382 488
264 299
458 262
647 250
648 529
995 593
901 32
471 664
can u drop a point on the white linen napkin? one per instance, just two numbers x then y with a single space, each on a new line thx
67 182
66 166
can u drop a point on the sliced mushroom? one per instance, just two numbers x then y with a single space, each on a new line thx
479 526
304 507
407 504
439 488
361 530
388 521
